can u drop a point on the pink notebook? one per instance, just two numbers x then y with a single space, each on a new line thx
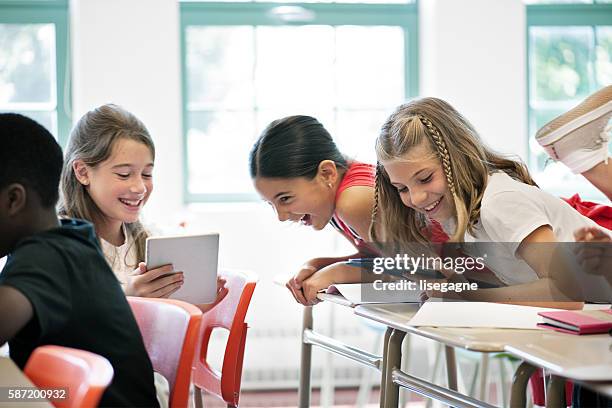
578 322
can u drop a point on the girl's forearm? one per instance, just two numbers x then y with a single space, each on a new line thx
320 263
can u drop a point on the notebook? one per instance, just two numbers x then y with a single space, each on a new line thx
578 321
363 293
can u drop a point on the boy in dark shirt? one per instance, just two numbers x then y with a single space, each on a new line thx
56 287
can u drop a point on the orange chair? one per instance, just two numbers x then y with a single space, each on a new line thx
85 375
228 314
170 330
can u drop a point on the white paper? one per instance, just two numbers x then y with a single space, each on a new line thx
478 314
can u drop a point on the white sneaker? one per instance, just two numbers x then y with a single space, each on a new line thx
579 138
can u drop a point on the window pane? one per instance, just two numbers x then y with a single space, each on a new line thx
277 71
27 64
294 66
47 119
265 116
218 144
377 1
603 62
357 132
370 66
312 1
560 66
220 67
558 1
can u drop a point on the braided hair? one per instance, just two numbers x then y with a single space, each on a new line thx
464 158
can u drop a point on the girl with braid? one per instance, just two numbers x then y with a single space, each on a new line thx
297 168
434 166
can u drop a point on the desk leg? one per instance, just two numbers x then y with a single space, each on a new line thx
451 367
518 397
555 392
394 359
383 368
404 395
306 361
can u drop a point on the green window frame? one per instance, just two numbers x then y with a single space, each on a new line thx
48 12
404 16
591 15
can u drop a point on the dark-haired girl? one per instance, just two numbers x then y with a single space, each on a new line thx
297 168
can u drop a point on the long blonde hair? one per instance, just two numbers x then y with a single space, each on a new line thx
92 141
465 160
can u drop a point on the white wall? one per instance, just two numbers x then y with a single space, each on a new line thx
127 52
473 54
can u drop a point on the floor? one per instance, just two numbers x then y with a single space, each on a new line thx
343 398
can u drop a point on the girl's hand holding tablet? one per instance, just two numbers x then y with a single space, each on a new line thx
157 283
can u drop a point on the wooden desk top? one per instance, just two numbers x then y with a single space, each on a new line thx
12 376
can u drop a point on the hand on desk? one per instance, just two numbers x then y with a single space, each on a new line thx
295 283
145 282
311 280
318 281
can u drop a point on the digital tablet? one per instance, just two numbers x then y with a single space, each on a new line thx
196 256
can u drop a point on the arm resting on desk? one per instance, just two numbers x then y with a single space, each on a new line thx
555 287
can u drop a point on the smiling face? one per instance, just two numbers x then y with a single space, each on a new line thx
120 186
421 184
298 199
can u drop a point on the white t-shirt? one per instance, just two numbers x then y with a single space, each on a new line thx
122 259
511 210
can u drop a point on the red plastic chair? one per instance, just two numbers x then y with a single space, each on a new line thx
170 330
228 314
85 375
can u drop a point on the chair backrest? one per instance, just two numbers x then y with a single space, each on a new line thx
83 374
228 314
170 330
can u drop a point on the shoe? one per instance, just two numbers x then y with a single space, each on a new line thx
579 138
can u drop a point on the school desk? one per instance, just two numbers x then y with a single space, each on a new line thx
586 358
392 349
396 317
11 377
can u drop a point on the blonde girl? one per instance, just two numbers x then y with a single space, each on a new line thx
107 179
434 166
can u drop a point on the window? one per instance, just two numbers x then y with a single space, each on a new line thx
33 62
569 57
246 64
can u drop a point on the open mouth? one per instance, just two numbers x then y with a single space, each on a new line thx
306 220
433 206
132 204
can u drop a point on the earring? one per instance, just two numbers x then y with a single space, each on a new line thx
329 185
